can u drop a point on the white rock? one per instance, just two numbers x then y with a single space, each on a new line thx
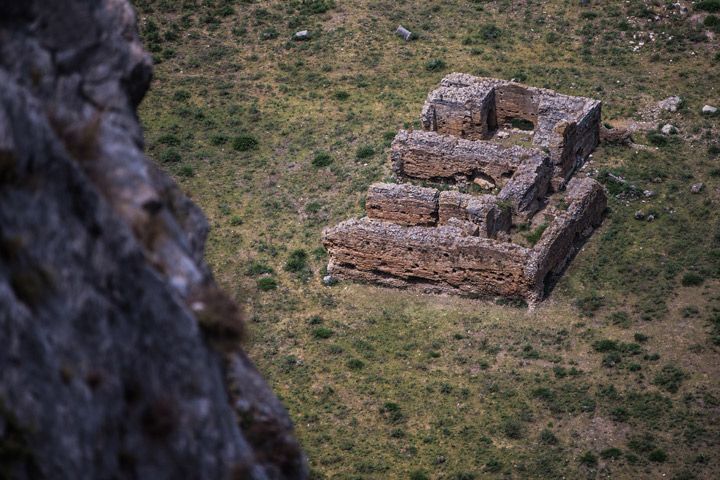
482 183
301 35
697 187
404 33
670 104
709 109
668 129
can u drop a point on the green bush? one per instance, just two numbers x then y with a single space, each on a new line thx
548 437
605 345
310 7
435 65
611 453
708 6
639 337
364 151
692 279
181 95
670 378
512 428
657 139
657 455
535 235
218 139
244 143
170 156
322 333
322 159
342 95
169 139
266 283
297 261
355 364
269 34
258 268
490 31
589 459
186 171
390 411
711 21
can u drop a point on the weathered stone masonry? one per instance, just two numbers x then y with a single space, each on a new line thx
454 242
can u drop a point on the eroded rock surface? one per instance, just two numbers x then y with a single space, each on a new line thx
107 309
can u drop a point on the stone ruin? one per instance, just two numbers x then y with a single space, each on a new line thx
499 212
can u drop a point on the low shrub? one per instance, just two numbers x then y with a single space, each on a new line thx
297 261
258 268
170 156
322 333
611 453
708 6
186 171
670 378
244 143
266 283
692 279
364 151
589 459
435 65
321 159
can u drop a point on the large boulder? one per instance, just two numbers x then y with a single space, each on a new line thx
120 355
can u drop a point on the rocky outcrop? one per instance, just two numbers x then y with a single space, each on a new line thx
121 356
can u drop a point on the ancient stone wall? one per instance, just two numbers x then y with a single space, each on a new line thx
586 204
436 259
475 107
402 204
429 155
456 242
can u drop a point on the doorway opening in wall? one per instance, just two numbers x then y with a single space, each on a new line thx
522 124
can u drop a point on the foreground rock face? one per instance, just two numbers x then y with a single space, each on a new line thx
106 305
455 242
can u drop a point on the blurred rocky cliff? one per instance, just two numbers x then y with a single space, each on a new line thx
119 356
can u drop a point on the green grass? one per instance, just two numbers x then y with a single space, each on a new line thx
277 139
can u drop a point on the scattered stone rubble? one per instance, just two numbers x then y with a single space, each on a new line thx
522 144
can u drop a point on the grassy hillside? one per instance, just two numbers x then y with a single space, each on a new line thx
616 375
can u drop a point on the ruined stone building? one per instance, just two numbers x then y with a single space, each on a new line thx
488 205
